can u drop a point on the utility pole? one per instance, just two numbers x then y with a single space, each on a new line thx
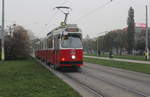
146 37
3 31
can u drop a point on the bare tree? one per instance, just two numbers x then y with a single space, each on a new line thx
18 46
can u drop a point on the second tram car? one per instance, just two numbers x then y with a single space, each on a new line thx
62 47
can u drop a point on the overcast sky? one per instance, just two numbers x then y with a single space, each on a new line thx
93 16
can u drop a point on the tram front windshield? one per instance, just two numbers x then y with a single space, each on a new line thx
71 41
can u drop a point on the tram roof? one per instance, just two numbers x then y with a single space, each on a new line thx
63 27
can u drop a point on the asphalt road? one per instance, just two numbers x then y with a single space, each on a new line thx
100 81
112 82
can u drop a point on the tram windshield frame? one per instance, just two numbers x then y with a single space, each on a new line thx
71 40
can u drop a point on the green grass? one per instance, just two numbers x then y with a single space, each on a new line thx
145 68
27 78
130 57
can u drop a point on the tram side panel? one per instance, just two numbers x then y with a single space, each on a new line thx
50 56
45 55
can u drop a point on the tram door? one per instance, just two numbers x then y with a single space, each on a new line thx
56 50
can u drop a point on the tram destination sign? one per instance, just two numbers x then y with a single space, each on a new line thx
72 29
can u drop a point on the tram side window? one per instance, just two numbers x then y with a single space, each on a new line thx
40 46
50 42
36 47
45 44
56 43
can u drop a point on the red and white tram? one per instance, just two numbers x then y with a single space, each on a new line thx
62 47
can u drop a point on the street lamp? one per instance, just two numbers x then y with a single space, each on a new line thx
3 31
146 37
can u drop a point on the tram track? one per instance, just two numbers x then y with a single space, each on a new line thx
116 87
99 85
119 85
94 91
135 82
89 89
117 74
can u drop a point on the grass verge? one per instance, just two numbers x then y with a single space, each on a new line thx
145 68
27 78
129 57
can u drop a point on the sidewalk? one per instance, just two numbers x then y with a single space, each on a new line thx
116 59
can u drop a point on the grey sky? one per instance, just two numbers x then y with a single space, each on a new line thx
40 17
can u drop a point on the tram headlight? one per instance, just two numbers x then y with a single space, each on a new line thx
73 56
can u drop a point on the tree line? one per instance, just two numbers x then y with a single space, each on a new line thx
17 43
116 41
130 40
